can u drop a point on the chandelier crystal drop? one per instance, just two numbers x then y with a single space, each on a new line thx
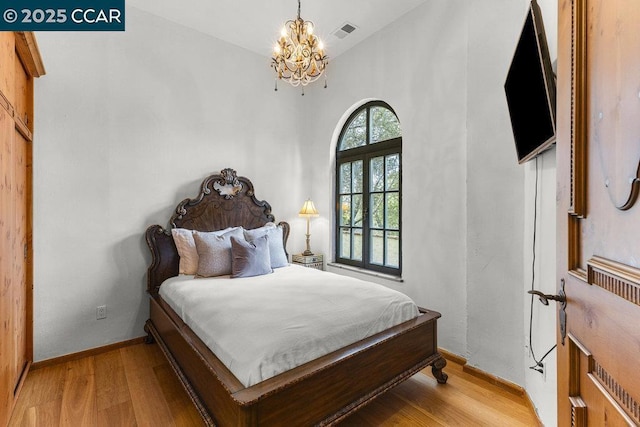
298 56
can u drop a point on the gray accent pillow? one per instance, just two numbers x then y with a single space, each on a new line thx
214 252
250 258
277 253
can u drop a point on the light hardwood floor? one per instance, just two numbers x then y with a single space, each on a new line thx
134 386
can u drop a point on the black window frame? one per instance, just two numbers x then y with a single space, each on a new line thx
366 153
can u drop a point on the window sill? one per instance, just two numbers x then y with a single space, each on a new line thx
367 272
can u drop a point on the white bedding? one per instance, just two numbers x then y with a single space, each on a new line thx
265 325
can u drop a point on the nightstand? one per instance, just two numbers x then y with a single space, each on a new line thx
311 261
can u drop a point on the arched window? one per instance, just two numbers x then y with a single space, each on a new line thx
369 190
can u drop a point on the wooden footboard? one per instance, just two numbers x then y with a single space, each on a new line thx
320 392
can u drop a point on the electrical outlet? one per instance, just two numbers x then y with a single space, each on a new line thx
101 312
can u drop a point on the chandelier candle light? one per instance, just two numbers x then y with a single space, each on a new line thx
298 56
308 210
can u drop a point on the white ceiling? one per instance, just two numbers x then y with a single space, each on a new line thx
255 24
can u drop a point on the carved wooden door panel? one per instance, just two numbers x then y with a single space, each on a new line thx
598 151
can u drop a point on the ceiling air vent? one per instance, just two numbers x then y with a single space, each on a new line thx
344 30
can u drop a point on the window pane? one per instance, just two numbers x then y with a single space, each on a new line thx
357 210
393 211
345 178
384 125
393 172
357 176
345 243
345 207
357 244
355 135
377 174
393 249
376 211
377 247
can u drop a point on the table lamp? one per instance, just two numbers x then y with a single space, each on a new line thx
308 210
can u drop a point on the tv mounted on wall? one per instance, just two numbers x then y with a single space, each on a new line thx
531 90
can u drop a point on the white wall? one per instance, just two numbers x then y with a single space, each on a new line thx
494 197
128 124
425 81
499 253
468 204
542 388
462 186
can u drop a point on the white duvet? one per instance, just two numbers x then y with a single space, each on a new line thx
265 325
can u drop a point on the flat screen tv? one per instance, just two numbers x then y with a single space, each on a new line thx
530 88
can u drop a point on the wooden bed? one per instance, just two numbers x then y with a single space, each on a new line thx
320 392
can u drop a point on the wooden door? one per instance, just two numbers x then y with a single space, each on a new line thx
22 191
598 268
21 322
19 63
6 274
7 134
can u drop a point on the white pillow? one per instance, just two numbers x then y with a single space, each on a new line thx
186 246
276 244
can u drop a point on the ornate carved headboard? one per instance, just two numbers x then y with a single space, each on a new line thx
225 200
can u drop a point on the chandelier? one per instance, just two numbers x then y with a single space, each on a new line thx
298 56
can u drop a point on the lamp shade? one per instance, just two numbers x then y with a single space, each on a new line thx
308 209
